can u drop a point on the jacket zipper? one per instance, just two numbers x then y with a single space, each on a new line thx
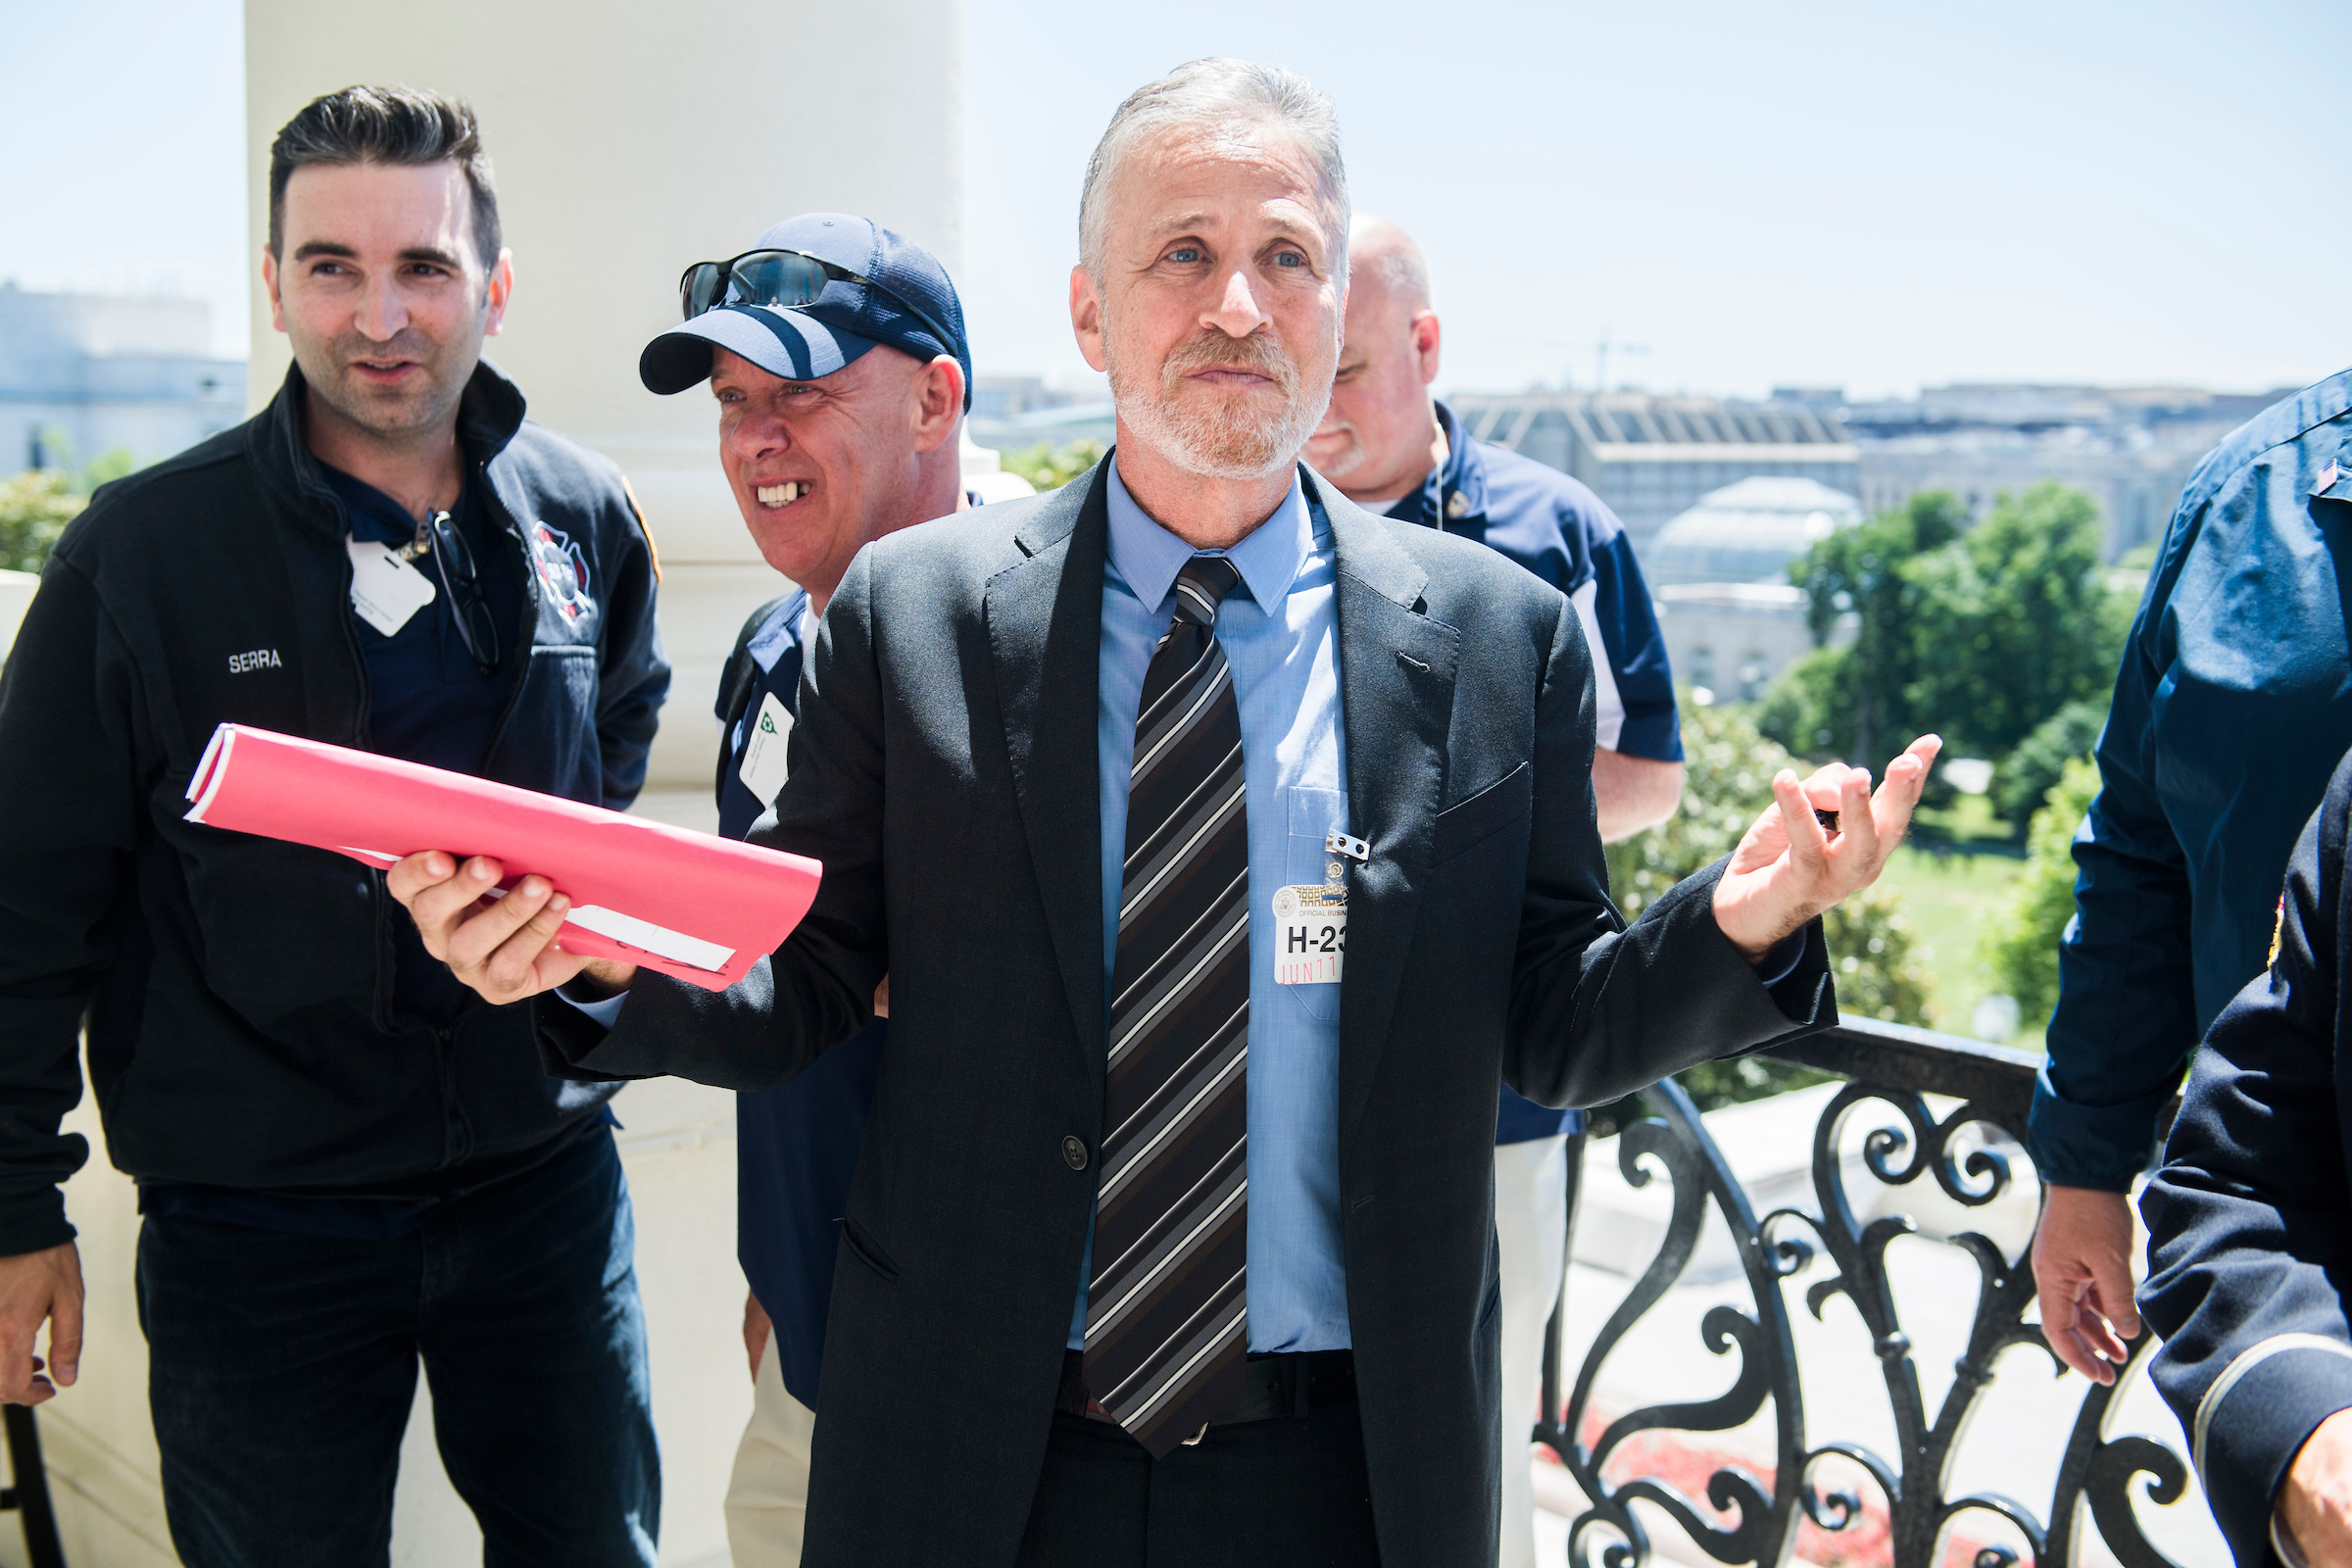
458 1129
528 630
380 897
456 1132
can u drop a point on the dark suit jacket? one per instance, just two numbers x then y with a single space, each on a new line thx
2250 1219
944 769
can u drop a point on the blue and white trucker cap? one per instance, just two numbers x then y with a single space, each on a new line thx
904 283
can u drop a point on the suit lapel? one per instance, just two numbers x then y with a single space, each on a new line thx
1045 628
1396 670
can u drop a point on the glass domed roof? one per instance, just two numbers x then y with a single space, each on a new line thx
1748 531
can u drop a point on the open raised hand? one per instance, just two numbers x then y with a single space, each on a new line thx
1789 867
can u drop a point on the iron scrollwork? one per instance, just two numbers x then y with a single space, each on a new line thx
2096 1474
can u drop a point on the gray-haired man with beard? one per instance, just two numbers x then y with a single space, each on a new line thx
1173 1242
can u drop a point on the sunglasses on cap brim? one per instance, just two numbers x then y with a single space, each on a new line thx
783 280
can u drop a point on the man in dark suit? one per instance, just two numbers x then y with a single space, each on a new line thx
834 350
2250 1233
1171 1239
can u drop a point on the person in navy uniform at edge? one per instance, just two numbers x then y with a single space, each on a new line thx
1391 447
2232 706
828 445
2250 1233
347 1163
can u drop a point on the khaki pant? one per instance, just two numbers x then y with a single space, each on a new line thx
768 1496
1530 1227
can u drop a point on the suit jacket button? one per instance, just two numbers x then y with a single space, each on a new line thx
1073 1152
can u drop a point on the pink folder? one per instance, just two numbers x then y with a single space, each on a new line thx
700 909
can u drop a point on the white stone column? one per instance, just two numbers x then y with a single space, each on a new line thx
628 140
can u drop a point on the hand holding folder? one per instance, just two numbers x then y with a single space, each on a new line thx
699 908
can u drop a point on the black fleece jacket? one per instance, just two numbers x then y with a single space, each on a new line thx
238 992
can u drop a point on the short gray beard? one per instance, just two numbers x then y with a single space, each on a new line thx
1215 442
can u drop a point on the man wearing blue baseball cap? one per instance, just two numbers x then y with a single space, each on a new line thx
828 445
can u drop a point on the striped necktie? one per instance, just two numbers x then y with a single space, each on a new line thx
1165 1311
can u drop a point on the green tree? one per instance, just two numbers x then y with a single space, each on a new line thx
2025 777
1049 467
1728 770
1859 700
2021 941
1873 948
107 467
81 478
2015 620
1812 705
1727 779
1979 634
35 508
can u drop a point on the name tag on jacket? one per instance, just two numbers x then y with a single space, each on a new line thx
763 766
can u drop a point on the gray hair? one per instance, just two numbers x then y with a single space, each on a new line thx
1228 98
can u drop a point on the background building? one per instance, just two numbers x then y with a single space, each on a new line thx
1732 619
1651 458
2131 447
86 373
1748 532
1730 640
1014 412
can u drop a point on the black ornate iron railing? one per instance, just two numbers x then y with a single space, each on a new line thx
1754 1519
27 1491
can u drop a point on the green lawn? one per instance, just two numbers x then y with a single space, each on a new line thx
1949 898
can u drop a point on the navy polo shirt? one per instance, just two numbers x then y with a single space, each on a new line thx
427 700
1558 529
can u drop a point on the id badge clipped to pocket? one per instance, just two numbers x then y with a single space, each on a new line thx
764 764
1311 924
385 589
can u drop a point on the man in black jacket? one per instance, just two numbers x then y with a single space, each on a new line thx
2250 1232
1225 845
345 1160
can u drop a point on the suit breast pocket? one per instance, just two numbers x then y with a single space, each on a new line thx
1312 816
1466 824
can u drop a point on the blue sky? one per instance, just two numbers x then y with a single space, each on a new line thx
1869 196
124 125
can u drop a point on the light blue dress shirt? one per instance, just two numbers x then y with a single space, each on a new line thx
1282 640
1286 678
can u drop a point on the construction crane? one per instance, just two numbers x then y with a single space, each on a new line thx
1601 349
